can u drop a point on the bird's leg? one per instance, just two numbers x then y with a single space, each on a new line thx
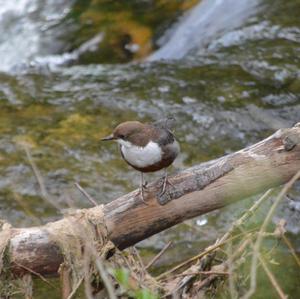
142 186
145 184
165 183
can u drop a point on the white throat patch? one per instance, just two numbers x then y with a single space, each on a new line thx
140 156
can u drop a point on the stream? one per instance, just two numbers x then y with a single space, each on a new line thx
226 70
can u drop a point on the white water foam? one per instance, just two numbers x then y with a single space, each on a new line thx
205 22
23 29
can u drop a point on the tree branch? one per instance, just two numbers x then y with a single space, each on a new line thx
194 191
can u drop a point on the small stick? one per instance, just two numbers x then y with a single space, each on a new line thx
230 262
202 272
198 256
158 255
291 248
207 281
37 274
248 214
27 286
40 180
105 278
65 280
91 200
272 278
25 208
76 288
136 252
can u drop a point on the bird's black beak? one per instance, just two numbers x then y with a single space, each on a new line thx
108 138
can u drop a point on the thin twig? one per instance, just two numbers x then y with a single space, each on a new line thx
37 274
242 247
91 200
87 275
142 266
102 271
198 256
207 281
202 272
190 260
26 209
260 236
232 288
27 286
246 215
75 288
250 242
291 248
272 278
136 252
65 280
40 180
106 281
158 255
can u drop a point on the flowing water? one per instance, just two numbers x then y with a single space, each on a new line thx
228 71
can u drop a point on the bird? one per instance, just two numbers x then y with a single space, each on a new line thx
147 147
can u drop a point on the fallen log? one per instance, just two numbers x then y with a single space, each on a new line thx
194 191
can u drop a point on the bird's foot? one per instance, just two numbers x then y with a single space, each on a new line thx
143 186
142 192
166 182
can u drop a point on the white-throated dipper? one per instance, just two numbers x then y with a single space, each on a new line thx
147 147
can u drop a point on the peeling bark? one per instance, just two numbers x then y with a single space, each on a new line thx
193 192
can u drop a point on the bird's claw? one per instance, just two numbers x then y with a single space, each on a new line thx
164 186
143 194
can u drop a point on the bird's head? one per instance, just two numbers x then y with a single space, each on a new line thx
126 133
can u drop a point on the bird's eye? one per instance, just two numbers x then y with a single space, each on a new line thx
121 136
